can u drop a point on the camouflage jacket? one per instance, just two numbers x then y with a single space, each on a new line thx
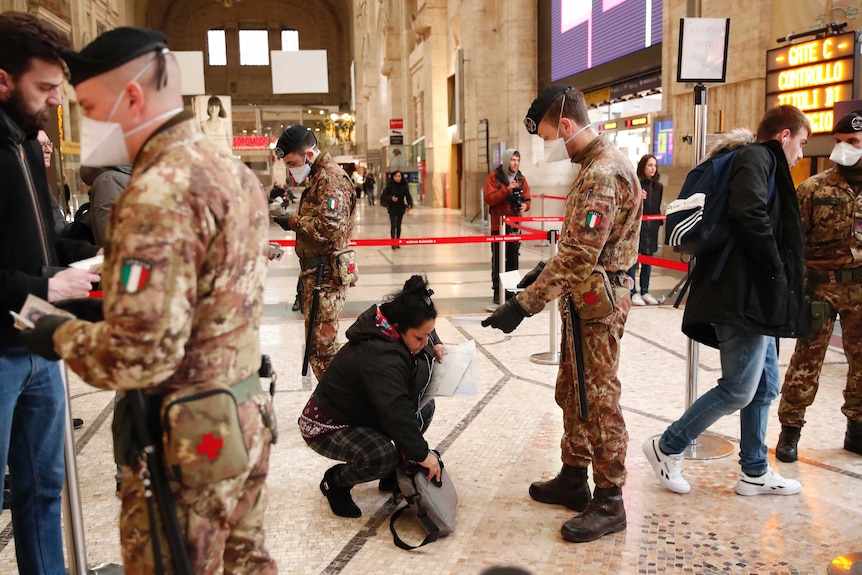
601 226
831 214
325 210
183 276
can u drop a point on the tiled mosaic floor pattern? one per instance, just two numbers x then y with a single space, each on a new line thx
497 442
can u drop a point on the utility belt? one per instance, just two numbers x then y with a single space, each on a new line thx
343 264
201 435
311 263
834 276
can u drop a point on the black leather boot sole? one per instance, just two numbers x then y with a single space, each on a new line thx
786 449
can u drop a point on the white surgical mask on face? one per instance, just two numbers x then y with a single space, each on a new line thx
299 174
555 150
103 143
846 155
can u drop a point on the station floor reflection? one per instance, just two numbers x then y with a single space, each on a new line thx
496 442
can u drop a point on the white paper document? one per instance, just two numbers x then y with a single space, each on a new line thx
510 280
92 265
457 373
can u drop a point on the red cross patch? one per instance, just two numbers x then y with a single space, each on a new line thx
210 446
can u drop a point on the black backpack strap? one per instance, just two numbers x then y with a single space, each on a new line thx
430 526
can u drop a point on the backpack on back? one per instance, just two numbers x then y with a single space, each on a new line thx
696 222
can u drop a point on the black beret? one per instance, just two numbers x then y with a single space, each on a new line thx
291 139
540 106
111 50
849 124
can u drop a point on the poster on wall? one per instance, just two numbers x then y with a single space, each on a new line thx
214 117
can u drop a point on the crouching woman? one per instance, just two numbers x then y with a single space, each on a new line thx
368 409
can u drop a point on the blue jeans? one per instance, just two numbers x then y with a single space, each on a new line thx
646 270
749 383
32 427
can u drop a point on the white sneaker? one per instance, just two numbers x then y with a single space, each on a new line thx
638 300
668 468
649 299
770 483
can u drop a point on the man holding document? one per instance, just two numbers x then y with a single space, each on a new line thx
32 397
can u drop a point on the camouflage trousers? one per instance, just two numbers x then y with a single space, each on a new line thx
602 438
332 297
803 374
222 522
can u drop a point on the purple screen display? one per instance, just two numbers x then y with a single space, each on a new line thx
588 33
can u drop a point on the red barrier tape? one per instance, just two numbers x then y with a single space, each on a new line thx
663 263
553 197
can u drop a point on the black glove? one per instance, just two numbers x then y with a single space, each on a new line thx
85 308
506 317
40 339
284 222
531 276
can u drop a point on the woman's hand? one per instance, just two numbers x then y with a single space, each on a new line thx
438 352
432 464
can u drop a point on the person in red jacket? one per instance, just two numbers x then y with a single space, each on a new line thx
508 194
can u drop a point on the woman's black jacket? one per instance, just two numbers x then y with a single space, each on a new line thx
374 381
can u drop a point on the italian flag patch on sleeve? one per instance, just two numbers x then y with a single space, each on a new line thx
135 274
593 219
332 203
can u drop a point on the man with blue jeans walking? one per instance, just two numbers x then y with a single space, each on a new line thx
32 398
741 304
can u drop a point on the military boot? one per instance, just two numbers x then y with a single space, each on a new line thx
605 514
569 488
786 449
853 437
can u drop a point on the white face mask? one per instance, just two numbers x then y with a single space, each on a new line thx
846 155
555 150
299 174
103 143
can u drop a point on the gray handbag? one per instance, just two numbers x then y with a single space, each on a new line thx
434 504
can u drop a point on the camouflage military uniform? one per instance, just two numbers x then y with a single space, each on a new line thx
325 224
601 228
831 212
183 294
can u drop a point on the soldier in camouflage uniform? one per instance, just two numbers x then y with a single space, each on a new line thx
183 282
599 239
830 206
323 224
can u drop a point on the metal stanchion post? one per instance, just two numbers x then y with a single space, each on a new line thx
544 243
551 357
73 518
705 446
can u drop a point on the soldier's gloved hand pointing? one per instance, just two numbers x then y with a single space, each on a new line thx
40 339
284 222
506 317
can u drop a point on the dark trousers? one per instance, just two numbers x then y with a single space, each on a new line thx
646 271
511 262
395 224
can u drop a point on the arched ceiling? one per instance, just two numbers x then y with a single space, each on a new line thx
322 25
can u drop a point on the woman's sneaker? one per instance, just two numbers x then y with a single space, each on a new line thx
770 483
649 299
638 300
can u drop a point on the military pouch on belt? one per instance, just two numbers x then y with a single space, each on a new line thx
593 298
819 312
202 436
345 268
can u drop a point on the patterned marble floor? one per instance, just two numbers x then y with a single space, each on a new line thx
496 442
